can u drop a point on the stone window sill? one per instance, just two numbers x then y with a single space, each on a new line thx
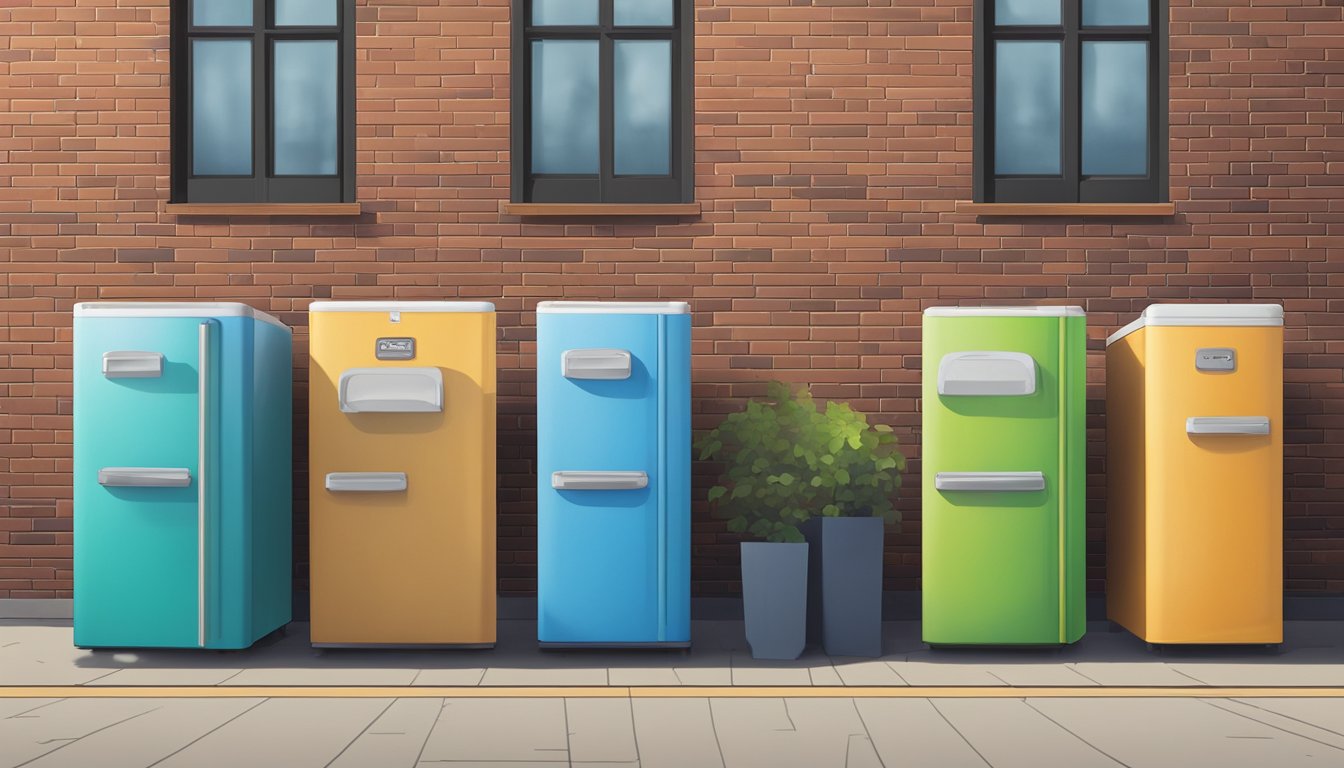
1068 209
263 209
600 209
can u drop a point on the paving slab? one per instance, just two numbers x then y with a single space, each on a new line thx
924 673
787 732
675 733
543 676
26 737
1155 733
499 730
169 726
1008 733
1132 673
868 672
1270 672
319 675
295 733
451 677
601 731
158 676
912 732
21 707
395 738
1326 714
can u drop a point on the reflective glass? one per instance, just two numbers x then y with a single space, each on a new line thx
221 107
1010 13
645 13
221 13
1115 108
559 13
564 106
305 13
1115 13
643 106
1027 107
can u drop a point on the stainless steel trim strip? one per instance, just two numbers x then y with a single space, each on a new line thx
203 420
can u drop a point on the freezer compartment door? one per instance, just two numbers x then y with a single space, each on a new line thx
391 390
601 542
142 468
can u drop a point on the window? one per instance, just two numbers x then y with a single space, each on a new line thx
1071 101
602 101
263 101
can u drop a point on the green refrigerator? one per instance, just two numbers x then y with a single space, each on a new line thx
1004 436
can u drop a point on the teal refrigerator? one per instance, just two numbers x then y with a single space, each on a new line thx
181 475
1003 451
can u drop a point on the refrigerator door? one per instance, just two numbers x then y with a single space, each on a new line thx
601 554
994 469
402 476
142 406
1215 485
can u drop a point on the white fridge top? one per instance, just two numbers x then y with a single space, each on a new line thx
1043 311
173 309
401 306
1191 315
614 307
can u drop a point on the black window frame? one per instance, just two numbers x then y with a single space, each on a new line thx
606 187
1071 186
262 186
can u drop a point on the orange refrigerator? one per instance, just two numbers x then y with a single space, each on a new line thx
1194 472
401 460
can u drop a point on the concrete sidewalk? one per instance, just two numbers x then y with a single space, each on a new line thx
285 704
36 653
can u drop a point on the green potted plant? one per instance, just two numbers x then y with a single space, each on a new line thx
785 462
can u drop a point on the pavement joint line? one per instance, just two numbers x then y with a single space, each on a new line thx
669 692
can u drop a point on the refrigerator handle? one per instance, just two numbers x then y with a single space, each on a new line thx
366 482
1227 425
203 402
132 365
599 481
987 374
144 477
989 481
601 364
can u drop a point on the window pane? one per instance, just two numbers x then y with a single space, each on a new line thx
564 106
221 13
648 13
1115 108
1115 13
221 107
555 13
1026 12
643 106
1026 107
305 13
305 108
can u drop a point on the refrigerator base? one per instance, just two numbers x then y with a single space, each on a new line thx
563 646
410 646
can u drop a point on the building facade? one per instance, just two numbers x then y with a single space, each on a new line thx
823 164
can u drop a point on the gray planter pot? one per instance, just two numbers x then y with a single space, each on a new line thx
844 586
774 598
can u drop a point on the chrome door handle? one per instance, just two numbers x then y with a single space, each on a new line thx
144 477
1227 425
366 482
599 481
989 481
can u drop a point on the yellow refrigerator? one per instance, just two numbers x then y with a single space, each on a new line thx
402 473
1194 474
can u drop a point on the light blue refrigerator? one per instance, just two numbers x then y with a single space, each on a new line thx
182 475
613 474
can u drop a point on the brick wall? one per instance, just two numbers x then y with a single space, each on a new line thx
833 143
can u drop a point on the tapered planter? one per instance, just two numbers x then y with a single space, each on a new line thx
774 598
844 589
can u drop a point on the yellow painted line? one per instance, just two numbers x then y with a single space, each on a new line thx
661 692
